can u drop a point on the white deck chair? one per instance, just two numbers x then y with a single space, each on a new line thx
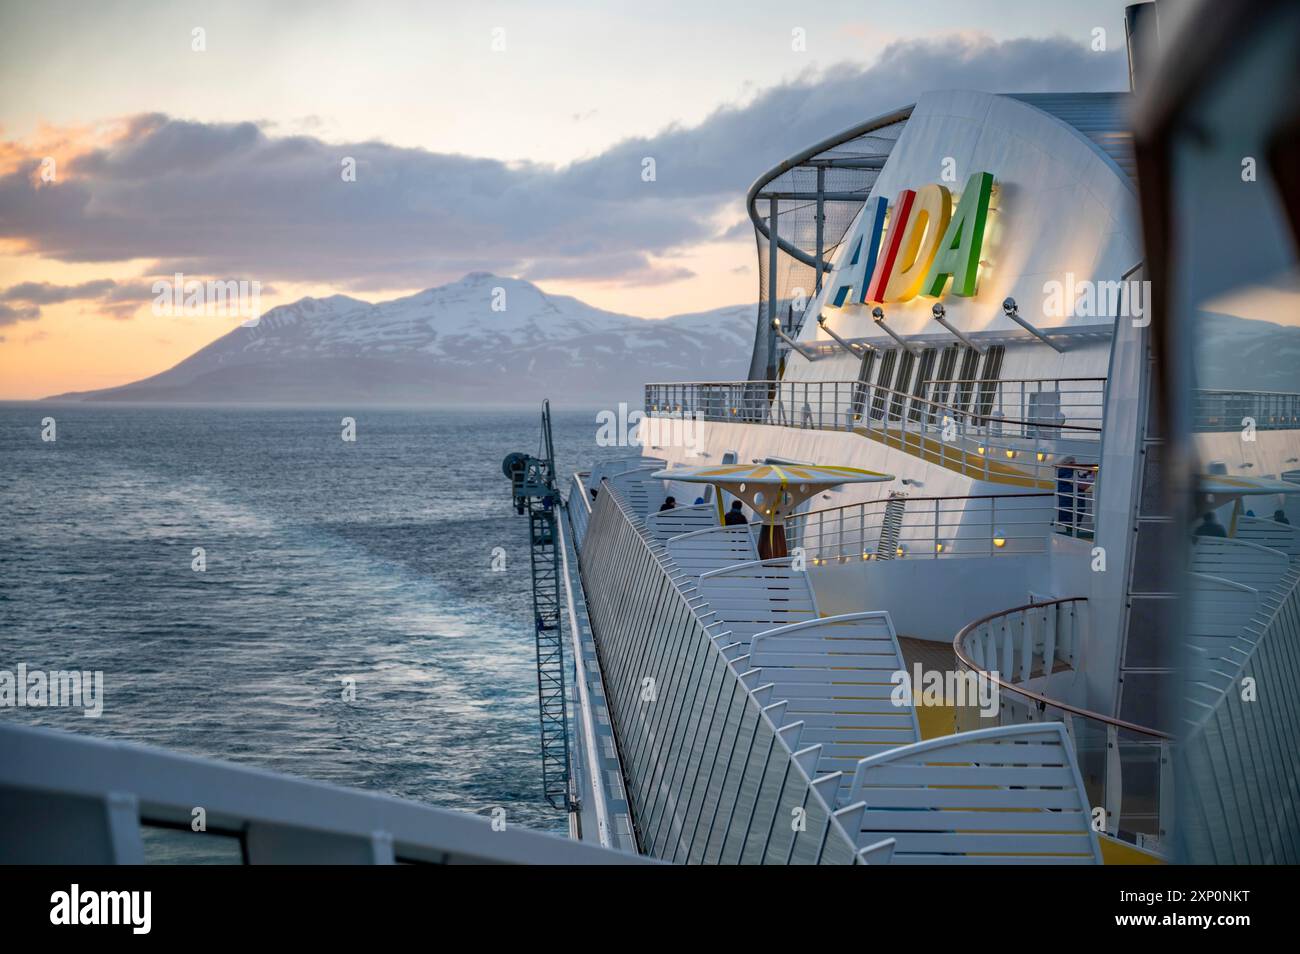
1247 563
1268 533
700 551
838 676
1007 795
753 597
671 523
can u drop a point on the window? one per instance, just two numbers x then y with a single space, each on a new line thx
883 379
923 375
947 364
900 385
970 360
864 379
989 378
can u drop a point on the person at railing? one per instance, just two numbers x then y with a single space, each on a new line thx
1210 526
735 516
1279 516
668 504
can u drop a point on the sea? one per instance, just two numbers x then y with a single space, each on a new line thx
257 588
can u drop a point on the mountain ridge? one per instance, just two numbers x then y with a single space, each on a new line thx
447 345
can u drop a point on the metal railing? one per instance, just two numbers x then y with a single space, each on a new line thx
1053 408
1031 654
1229 410
962 436
700 748
925 528
579 507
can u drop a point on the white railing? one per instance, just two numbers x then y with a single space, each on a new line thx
1031 654
963 436
58 783
925 528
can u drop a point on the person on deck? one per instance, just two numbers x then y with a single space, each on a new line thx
1279 516
735 516
1210 527
668 504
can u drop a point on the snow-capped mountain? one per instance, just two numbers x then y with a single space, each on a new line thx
450 345
1240 354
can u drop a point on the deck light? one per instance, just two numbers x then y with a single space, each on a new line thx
1011 455
999 539
776 326
938 311
855 348
938 546
1012 311
878 315
901 551
1042 456
980 450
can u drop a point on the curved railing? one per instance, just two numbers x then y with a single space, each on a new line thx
1030 654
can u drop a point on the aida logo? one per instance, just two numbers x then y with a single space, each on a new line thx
915 246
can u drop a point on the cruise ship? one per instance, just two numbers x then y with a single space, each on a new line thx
974 567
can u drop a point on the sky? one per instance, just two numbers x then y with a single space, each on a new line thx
506 137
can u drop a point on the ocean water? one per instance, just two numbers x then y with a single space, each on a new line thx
325 560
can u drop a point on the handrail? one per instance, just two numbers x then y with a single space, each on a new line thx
621 637
280 819
884 500
1036 697
599 807
879 401
895 527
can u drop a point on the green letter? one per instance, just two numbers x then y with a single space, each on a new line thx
958 257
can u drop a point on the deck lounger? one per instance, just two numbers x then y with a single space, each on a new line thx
838 676
753 597
1267 533
1008 795
666 524
700 551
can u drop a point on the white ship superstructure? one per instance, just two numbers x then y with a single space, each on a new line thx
1051 614
955 296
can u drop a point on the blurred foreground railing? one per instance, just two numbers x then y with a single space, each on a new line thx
1229 410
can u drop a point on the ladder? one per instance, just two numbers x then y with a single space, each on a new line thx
532 483
891 526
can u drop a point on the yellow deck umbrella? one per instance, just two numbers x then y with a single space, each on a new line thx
771 490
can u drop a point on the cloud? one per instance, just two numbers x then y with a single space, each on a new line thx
235 199
10 315
117 300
